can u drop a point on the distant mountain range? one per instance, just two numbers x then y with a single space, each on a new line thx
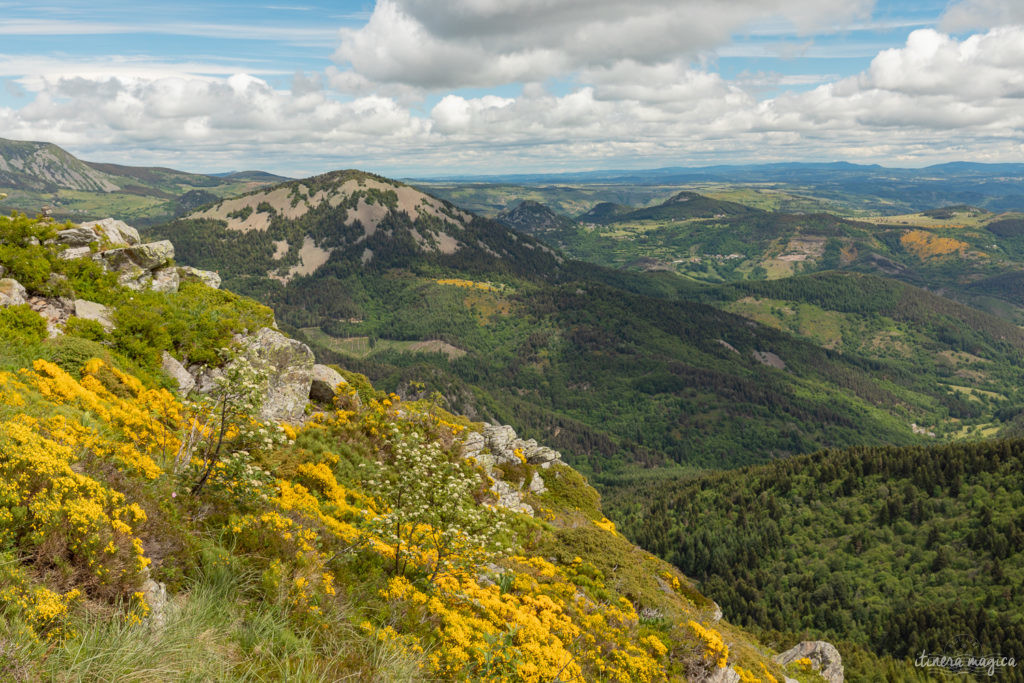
38 175
848 187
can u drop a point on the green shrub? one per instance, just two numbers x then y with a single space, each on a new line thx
192 323
21 324
86 329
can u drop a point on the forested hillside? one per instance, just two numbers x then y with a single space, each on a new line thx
898 550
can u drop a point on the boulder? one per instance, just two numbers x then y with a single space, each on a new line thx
824 658
165 280
111 232
74 252
537 484
90 310
541 455
207 277
289 367
12 293
325 383
178 373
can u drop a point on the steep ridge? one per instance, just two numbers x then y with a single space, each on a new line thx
43 166
39 174
201 537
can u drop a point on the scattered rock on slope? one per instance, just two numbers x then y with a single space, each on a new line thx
498 445
12 293
325 382
178 373
824 658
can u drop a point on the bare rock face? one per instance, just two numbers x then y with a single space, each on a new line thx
325 383
824 658
12 293
289 367
207 277
178 373
90 310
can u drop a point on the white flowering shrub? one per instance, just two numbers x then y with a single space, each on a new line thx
225 431
432 516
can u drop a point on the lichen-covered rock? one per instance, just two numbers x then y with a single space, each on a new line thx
824 658
177 372
90 310
12 293
510 498
207 277
325 383
289 367
165 280
135 265
80 236
110 232
537 484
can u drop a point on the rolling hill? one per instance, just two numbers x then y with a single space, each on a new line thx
617 369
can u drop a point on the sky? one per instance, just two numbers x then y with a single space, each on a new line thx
431 88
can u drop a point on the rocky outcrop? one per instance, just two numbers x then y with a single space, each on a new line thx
289 367
178 373
136 266
325 383
90 310
207 277
116 246
12 293
498 445
824 658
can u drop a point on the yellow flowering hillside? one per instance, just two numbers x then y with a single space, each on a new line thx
144 536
